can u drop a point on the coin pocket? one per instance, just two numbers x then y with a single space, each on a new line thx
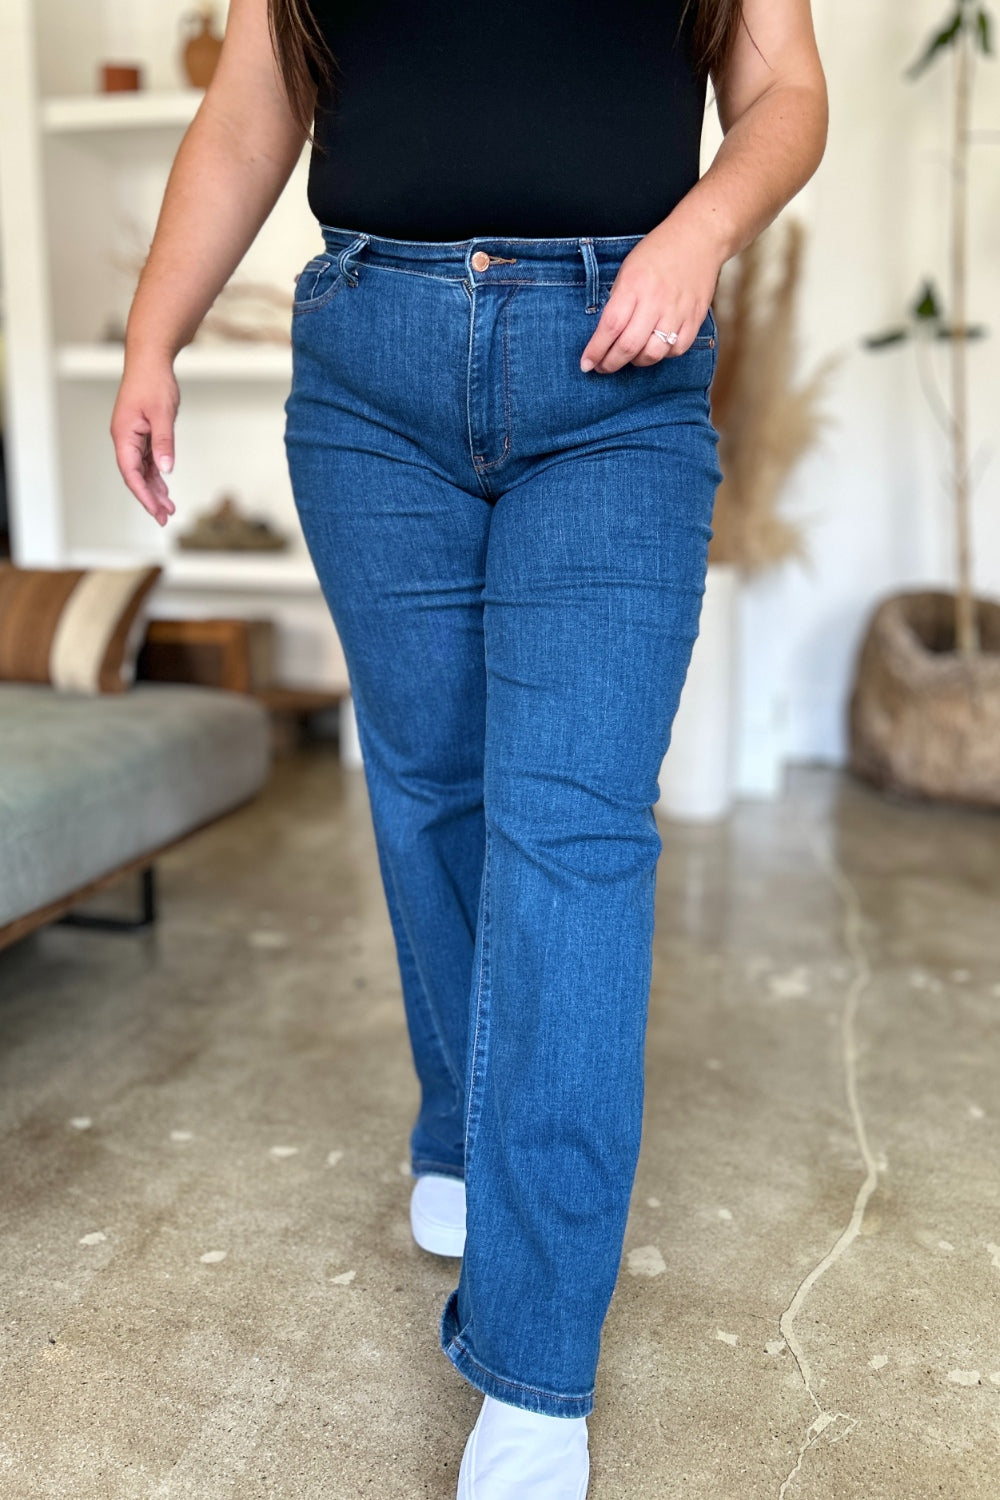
317 282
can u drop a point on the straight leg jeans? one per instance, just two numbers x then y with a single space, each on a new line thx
514 554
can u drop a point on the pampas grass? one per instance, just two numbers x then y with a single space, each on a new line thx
251 312
766 420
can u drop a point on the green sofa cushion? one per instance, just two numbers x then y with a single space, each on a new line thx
88 783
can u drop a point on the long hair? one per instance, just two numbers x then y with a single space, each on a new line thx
305 61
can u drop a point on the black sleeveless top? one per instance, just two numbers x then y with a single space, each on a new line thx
538 118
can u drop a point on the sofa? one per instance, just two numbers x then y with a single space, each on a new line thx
94 785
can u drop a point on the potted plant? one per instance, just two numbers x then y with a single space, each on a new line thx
924 714
766 420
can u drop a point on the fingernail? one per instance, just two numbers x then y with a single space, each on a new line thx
165 463
586 364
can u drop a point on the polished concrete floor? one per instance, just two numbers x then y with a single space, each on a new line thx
208 1281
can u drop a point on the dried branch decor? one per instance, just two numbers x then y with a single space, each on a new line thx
244 311
766 419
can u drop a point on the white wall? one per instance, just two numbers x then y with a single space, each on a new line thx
876 217
78 208
877 223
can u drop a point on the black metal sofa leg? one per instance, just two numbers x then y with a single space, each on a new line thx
147 895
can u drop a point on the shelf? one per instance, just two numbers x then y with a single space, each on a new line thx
256 573
236 361
90 113
293 574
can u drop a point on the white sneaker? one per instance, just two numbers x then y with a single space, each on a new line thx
520 1455
437 1214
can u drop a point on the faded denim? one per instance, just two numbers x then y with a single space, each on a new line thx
514 554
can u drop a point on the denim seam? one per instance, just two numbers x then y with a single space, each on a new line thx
507 378
371 265
477 468
495 463
431 1010
534 281
310 304
568 241
700 341
515 1385
404 271
370 751
482 984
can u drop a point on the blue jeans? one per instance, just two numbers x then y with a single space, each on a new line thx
514 554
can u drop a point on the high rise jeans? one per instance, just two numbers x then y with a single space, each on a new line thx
514 553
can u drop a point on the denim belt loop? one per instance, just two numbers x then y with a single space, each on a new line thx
590 261
348 254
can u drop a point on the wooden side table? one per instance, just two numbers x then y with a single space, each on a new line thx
237 655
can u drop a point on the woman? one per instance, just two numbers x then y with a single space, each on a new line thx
502 456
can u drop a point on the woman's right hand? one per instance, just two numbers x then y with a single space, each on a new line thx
142 429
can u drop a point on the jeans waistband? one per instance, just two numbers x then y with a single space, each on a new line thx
487 257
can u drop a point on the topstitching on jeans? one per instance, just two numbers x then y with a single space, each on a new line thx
568 242
484 279
371 265
455 1342
593 295
370 751
482 984
495 463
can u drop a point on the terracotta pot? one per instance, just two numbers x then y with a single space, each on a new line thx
923 720
120 78
200 53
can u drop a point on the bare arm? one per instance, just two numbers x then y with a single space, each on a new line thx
772 105
232 164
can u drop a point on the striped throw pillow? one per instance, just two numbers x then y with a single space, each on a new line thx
79 629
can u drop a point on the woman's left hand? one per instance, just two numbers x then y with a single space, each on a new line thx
665 281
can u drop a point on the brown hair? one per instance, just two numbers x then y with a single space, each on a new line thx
305 60
716 25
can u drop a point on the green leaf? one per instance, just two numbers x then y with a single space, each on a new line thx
883 340
984 25
944 38
927 305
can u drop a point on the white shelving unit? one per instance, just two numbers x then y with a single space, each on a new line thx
95 114
237 362
82 176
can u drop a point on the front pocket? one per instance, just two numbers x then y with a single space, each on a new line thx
317 282
707 335
705 338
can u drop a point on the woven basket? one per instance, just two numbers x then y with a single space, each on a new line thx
923 720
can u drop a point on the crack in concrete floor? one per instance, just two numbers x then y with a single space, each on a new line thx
860 981
152 1090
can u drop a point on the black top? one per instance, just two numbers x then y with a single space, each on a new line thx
538 118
